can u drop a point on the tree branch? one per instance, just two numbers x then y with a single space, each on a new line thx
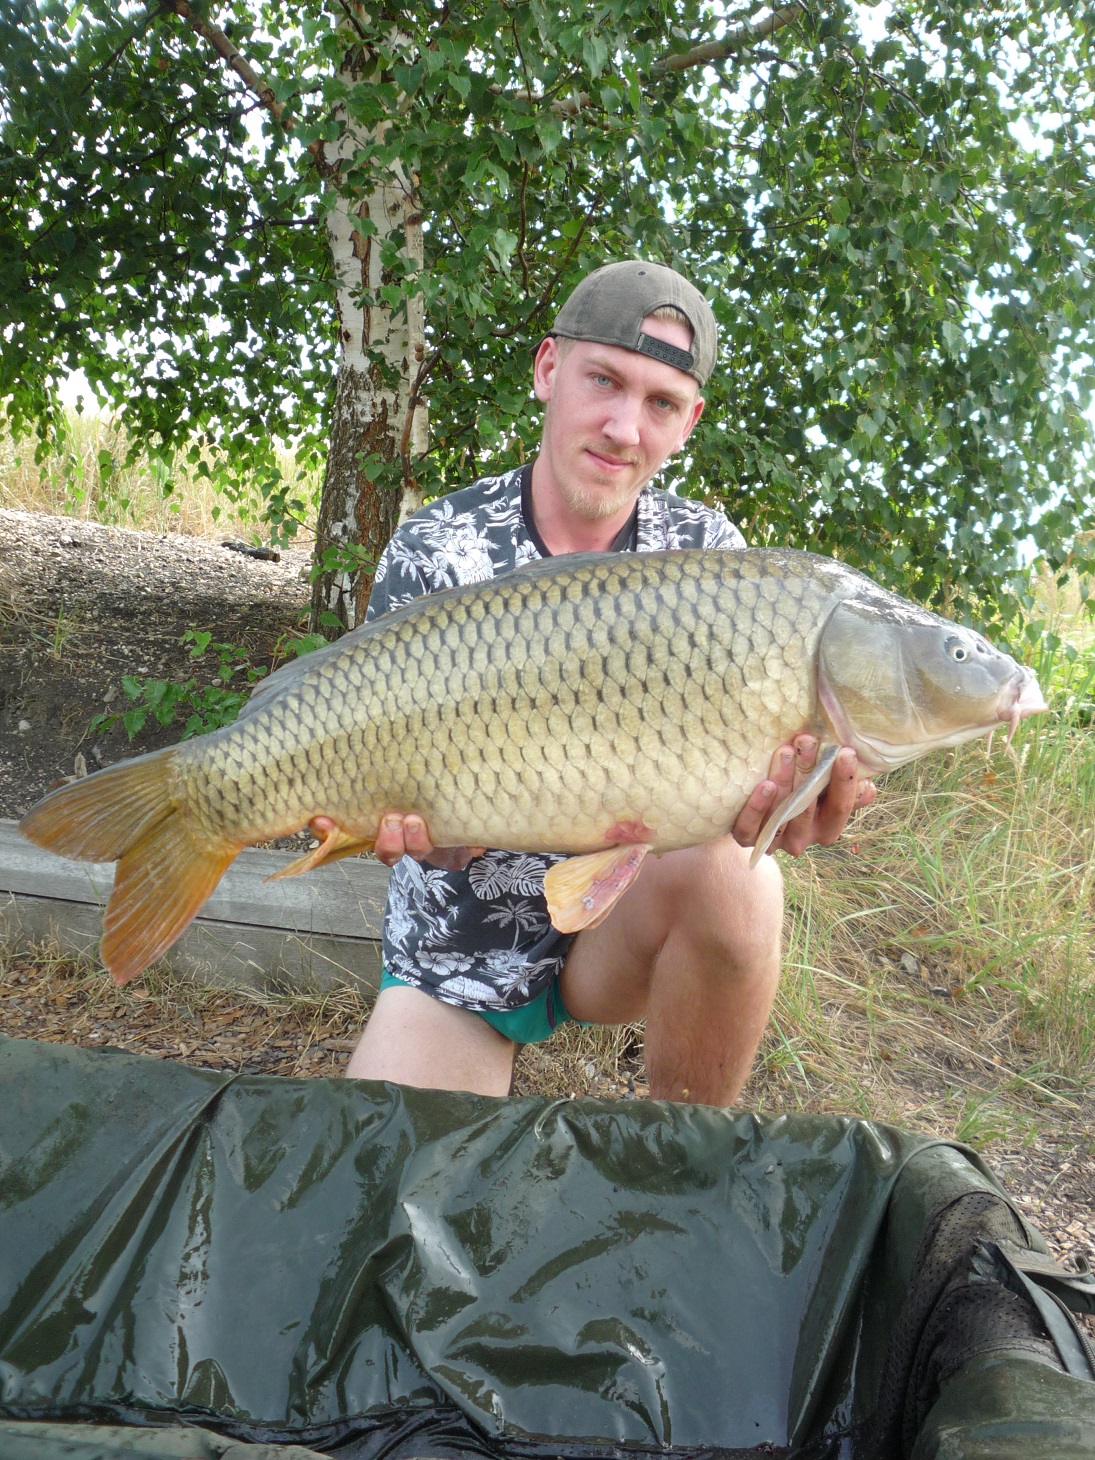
734 40
521 326
741 35
351 19
567 106
241 66
119 50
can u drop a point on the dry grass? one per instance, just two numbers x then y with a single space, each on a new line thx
47 995
88 478
578 1062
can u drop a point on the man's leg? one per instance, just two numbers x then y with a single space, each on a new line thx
694 947
412 1039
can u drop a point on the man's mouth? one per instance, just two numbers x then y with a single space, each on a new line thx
610 463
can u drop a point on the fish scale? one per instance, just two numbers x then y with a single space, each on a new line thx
580 704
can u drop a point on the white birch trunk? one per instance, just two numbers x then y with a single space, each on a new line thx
371 417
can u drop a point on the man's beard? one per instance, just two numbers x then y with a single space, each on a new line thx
594 504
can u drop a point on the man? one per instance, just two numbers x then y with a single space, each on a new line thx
472 964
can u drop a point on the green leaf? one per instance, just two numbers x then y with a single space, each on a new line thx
549 129
133 720
594 53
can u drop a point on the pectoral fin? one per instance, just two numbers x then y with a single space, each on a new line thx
797 801
582 891
337 843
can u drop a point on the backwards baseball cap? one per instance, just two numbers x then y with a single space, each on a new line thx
610 304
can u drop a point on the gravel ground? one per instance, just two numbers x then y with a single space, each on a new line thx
83 605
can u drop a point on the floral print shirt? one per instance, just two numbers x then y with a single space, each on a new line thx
481 938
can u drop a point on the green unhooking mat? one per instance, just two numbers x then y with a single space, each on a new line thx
207 1267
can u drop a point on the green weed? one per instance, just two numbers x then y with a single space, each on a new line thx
56 634
207 704
981 1120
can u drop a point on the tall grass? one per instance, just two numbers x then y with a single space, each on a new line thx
88 476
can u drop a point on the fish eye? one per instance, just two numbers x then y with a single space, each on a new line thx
958 650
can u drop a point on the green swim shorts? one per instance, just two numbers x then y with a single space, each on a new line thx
530 1024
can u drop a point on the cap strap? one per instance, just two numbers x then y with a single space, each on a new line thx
667 354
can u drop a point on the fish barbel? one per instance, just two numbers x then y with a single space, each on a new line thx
605 705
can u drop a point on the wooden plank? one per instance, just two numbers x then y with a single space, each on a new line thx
224 955
344 900
307 932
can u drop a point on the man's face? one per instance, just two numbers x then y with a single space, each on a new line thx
613 418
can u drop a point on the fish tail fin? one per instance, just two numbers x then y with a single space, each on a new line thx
159 888
166 870
99 817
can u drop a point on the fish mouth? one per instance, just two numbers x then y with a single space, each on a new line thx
1028 700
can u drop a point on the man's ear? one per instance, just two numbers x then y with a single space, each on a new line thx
697 412
545 364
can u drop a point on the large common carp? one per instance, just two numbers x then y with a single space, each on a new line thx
600 703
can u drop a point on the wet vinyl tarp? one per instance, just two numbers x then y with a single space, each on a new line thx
371 1271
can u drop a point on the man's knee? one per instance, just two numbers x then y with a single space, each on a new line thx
712 892
703 910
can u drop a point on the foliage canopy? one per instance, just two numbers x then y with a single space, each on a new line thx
152 240
892 212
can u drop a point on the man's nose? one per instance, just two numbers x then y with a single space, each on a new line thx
622 424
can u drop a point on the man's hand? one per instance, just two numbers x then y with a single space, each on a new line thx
406 835
825 819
